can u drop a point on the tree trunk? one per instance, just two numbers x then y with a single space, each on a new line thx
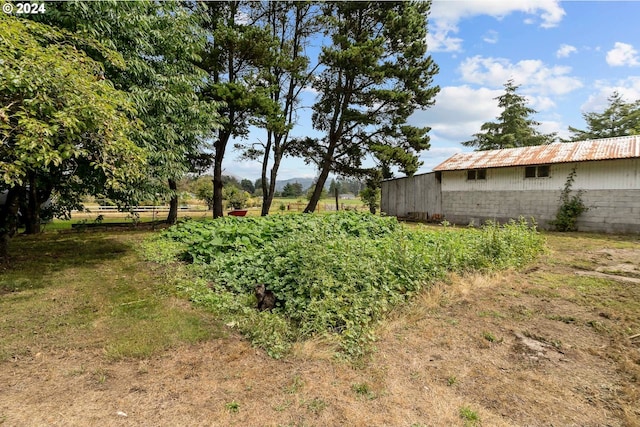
317 192
8 221
31 211
266 204
217 177
172 218
267 195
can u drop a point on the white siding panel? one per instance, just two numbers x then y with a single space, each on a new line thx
599 175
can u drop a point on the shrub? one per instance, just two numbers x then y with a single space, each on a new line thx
571 206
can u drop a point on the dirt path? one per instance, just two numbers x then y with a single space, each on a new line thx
538 348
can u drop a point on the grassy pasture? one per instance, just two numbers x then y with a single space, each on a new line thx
91 291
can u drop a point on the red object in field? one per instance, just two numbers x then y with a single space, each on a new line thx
238 212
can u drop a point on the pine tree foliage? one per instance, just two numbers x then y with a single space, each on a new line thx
375 74
291 26
513 128
236 52
620 118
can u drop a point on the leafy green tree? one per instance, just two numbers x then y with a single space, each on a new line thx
375 74
236 197
159 42
60 121
247 186
203 190
620 118
514 127
292 190
230 180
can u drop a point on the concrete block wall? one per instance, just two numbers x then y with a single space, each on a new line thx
464 207
611 211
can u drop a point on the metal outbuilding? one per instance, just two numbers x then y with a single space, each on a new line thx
527 181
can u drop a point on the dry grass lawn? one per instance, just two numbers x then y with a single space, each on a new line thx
91 335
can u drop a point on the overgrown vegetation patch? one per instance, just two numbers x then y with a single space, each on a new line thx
333 275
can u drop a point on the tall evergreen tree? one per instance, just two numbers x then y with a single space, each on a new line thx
514 127
375 73
234 56
620 118
290 25
292 190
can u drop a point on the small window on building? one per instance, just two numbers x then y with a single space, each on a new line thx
471 174
476 174
530 172
536 171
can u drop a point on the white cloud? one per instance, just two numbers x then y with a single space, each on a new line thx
459 112
534 76
628 88
445 16
436 155
491 37
540 103
439 39
552 126
623 54
565 50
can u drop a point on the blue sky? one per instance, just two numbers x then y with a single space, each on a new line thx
568 57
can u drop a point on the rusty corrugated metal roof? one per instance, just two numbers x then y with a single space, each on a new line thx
563 152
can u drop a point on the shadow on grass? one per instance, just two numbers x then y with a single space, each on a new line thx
33 258
92 290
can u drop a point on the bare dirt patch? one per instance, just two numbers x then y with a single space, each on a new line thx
539 347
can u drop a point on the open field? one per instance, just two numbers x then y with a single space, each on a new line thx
90 334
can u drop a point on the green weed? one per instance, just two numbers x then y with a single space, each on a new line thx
469 416
232 406
363 390
283 406
489 336
295 386
336 274
316 405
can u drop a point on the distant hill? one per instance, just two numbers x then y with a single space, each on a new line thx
305 182
348 185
